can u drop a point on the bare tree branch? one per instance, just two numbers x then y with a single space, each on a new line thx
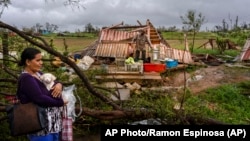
10 72
65 60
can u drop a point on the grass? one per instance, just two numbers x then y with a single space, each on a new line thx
180 35
73 43
180 44
225 103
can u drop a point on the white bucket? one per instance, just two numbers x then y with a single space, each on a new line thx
156 54
123 94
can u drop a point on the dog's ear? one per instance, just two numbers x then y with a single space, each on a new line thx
53 77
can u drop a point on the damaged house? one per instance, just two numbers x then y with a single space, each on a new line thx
115 43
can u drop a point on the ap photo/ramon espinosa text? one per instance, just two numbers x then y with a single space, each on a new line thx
114 132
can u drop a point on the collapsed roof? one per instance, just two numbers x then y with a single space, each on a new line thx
115 41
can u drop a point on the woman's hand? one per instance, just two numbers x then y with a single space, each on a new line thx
57 90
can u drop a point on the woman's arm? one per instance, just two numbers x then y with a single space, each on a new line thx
57 89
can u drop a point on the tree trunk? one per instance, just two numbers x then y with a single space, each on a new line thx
5 49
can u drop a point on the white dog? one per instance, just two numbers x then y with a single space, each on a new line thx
48 80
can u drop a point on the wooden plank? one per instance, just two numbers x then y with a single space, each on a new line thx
131 76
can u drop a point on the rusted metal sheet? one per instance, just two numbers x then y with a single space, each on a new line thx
112 50
168 52
115 35
182 56
245 53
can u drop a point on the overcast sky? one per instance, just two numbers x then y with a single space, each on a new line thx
26 13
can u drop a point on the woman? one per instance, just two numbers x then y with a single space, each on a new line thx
31 89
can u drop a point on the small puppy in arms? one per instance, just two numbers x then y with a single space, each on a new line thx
48 80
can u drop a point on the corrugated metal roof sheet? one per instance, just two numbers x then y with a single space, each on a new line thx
115 35
245 53
180 55
112 50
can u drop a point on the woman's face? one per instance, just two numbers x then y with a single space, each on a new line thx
35 64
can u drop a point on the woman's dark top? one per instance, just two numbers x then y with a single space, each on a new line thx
30 89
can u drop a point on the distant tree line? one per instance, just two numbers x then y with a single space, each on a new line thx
232 25
226 25
48 28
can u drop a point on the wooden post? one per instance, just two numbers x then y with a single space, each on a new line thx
186 43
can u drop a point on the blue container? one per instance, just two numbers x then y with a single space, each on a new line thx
172 64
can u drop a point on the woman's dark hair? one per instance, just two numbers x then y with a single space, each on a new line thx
28 54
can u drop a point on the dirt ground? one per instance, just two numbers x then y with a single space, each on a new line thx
210 76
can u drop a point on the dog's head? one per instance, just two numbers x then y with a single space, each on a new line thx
47 78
